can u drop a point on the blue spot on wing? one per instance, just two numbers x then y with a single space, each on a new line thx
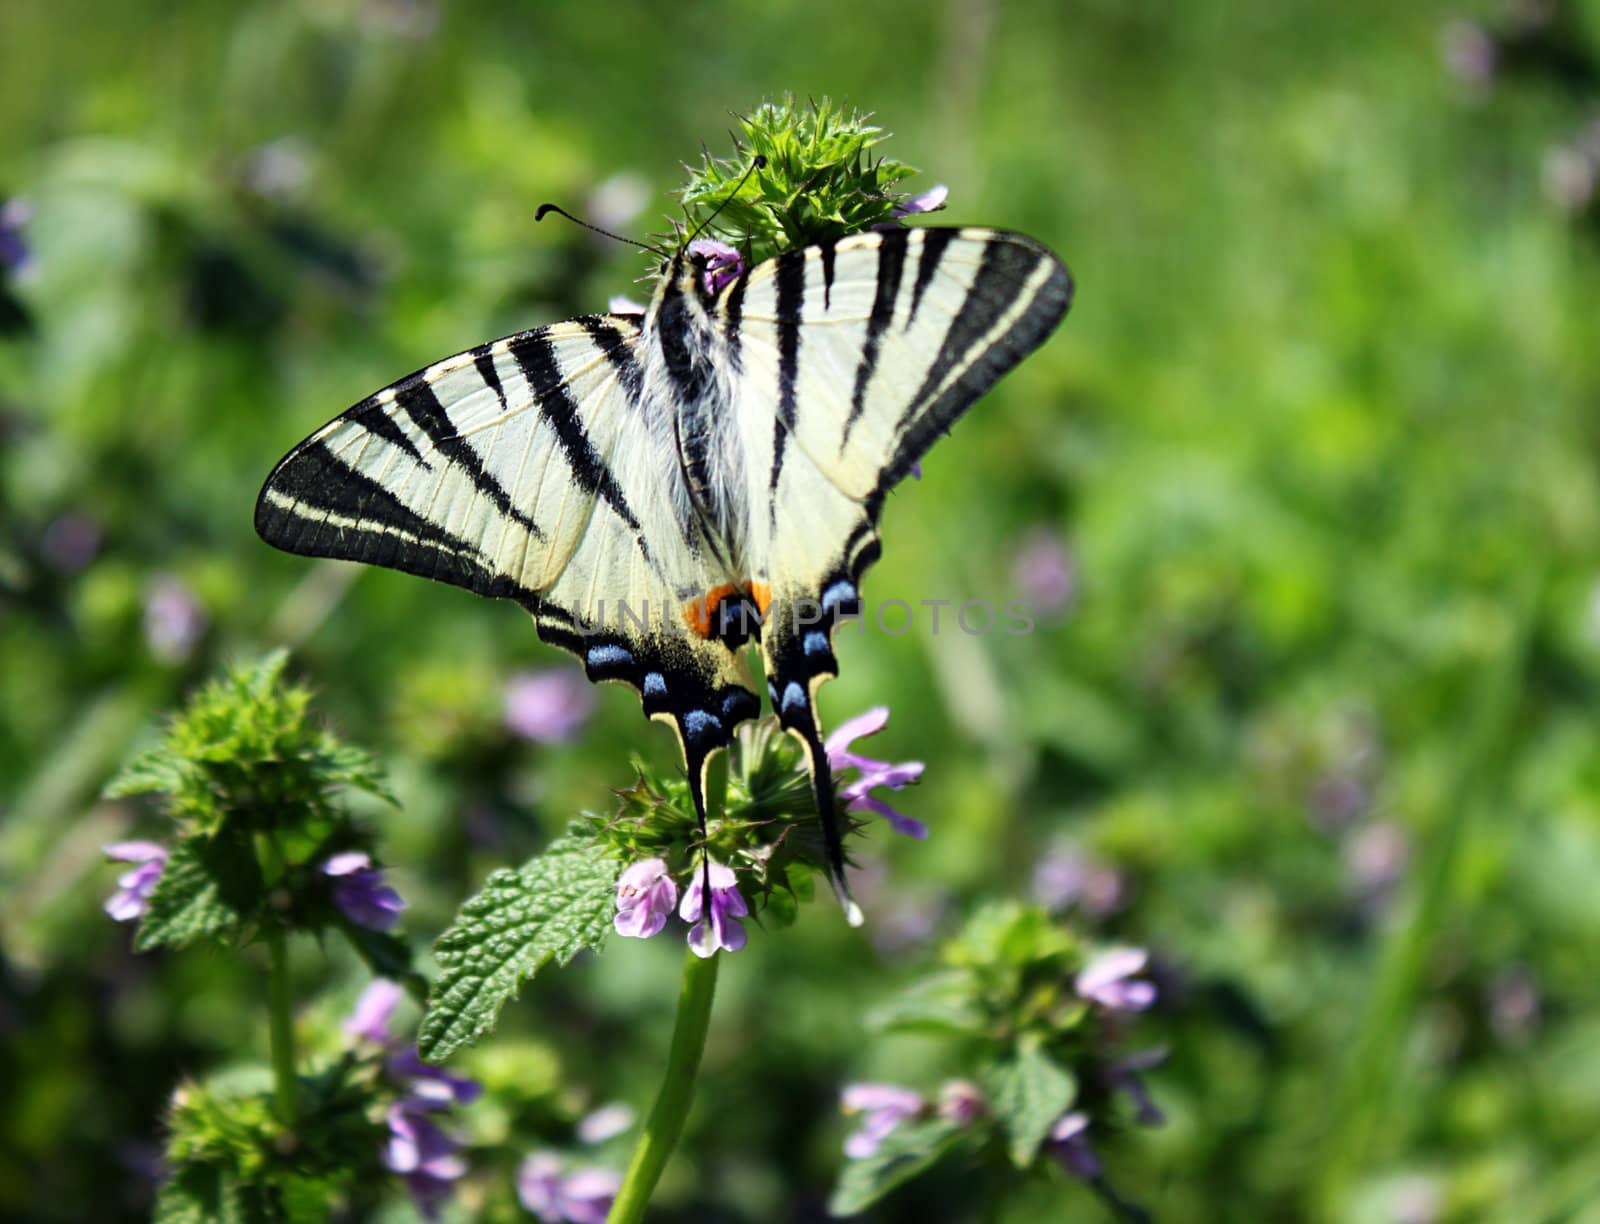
655 684
794 697
609 655
816 643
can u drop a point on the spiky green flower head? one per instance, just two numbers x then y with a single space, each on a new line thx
820 180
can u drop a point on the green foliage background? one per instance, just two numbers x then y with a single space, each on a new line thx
1320 432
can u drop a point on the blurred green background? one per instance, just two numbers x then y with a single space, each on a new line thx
1304 491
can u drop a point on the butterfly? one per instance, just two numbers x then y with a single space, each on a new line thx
660 491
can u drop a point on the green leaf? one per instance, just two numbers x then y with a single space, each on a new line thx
558 904
209 886
1028 1093
204 1194
905 1152
944 1004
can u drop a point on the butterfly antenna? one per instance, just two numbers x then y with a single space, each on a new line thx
759 163
545 209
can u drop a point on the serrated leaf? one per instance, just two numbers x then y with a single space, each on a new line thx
205 1194
905 1152
944 1004
557 905
1028 1093
209 886
189 1196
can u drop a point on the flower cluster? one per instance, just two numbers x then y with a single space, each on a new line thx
420 1151
649 890
1033 1010
801 173
647 895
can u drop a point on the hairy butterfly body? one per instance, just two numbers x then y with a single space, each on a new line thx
659 492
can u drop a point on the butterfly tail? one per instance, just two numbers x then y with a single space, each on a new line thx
805 728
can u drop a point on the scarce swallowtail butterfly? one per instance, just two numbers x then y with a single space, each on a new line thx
659 491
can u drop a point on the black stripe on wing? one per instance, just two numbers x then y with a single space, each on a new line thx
891 263
1011 265
316 505
791 294
417 399
536 358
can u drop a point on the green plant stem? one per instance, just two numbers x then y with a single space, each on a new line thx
285 1087
667 1116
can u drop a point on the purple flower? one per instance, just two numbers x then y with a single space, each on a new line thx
931 200
429 1087
1470 53
424 1156
623 305
374 1009
539 1185
1108 980
1069 1143
361 893
586 1195
1124 1076
174 620
14 254
883 1107
548 706
1376 860
1067 876
70 542
583 1196
604 1123
134 887
960 1101
645 896
727 904
1513 1004
1044 572
723 264
873 773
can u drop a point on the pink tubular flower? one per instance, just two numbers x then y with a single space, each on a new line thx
1108 980
727 905
424 1155
134 887
429 1087
645 896
873 773
583 1196
1124 1076
931 200
361 894
723 264
960 1101
604 1123
1069 1143
883 1107
548 707
373 1011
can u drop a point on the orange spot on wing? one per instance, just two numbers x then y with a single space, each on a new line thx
697 613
